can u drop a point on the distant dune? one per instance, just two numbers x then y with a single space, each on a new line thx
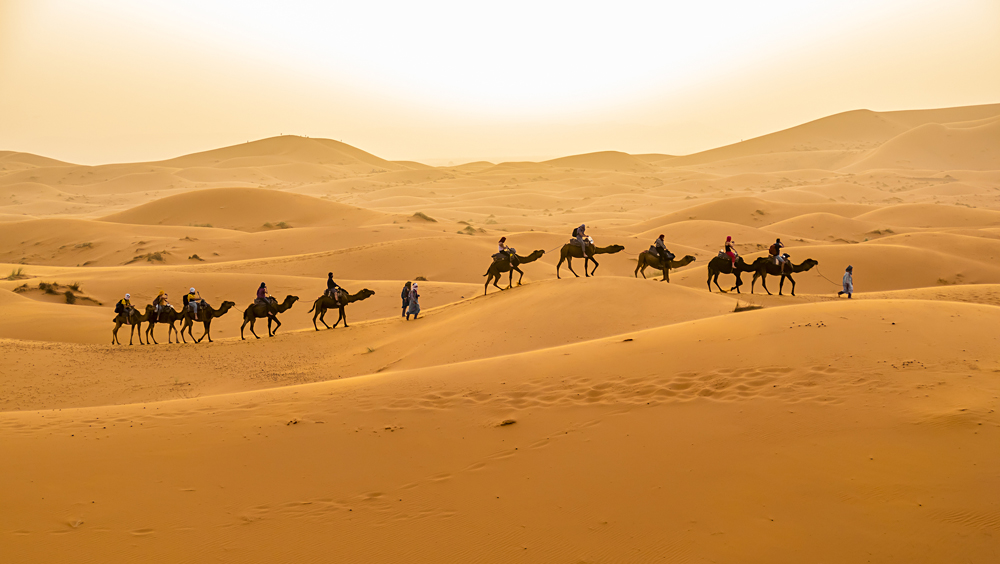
244 209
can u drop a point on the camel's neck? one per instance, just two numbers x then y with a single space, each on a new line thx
530 258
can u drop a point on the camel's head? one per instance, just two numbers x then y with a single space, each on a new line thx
227 304
809 263
536 254
688 259
365 294
612 249
290 299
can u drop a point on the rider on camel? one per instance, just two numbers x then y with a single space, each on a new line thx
262 295
332 288
661 249
731 250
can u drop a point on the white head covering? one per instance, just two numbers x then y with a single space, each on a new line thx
192 290
128 296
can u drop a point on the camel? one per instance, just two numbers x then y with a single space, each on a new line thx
651 260
271 310
785 270
501 265
325 302
133 318
206 314
571 250
722 265
169 316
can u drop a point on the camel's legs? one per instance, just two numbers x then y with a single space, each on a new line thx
710 280
716 281
763 282
783 281
521 275
739 282
208 326
558 264
569 265
322 319
666 275
596 264
276 325
150 335
251 321
495 280
341 315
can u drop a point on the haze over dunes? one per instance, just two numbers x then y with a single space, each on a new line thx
611 418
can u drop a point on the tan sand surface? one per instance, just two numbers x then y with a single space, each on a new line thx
646 421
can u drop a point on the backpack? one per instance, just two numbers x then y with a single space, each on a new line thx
576 232
119 307
773 250
186 299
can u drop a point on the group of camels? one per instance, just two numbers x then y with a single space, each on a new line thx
761 267
206 313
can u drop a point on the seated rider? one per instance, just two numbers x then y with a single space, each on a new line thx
775 251
191 300
124 305
731 250
262 295
332 289
581 238
661 249
160 303
503 249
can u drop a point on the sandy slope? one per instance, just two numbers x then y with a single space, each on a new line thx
654 422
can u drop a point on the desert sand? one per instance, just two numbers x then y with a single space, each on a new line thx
608 418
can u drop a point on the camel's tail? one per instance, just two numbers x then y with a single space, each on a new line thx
312 308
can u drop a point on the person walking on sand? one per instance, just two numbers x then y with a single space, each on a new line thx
414 305
405 296
848 283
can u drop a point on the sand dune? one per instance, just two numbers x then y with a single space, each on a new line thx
938 147
587 419
243 209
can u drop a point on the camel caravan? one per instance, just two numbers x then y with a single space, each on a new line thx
506 260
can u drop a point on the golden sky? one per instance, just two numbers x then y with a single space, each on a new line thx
116 80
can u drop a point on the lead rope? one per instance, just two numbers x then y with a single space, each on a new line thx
818 271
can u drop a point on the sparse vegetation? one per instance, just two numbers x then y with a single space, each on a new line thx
158 256
195 257
747 307
279 225
425 217
420 279
17 274
87 245
47 288
70 297
201 225
75 286
470 230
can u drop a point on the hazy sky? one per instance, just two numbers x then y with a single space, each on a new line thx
122 80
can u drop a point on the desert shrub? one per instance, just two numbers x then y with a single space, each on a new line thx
201 225
16 274
75 286
195 257
268 225
70 297
85 246
420 279
283 225
423 216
